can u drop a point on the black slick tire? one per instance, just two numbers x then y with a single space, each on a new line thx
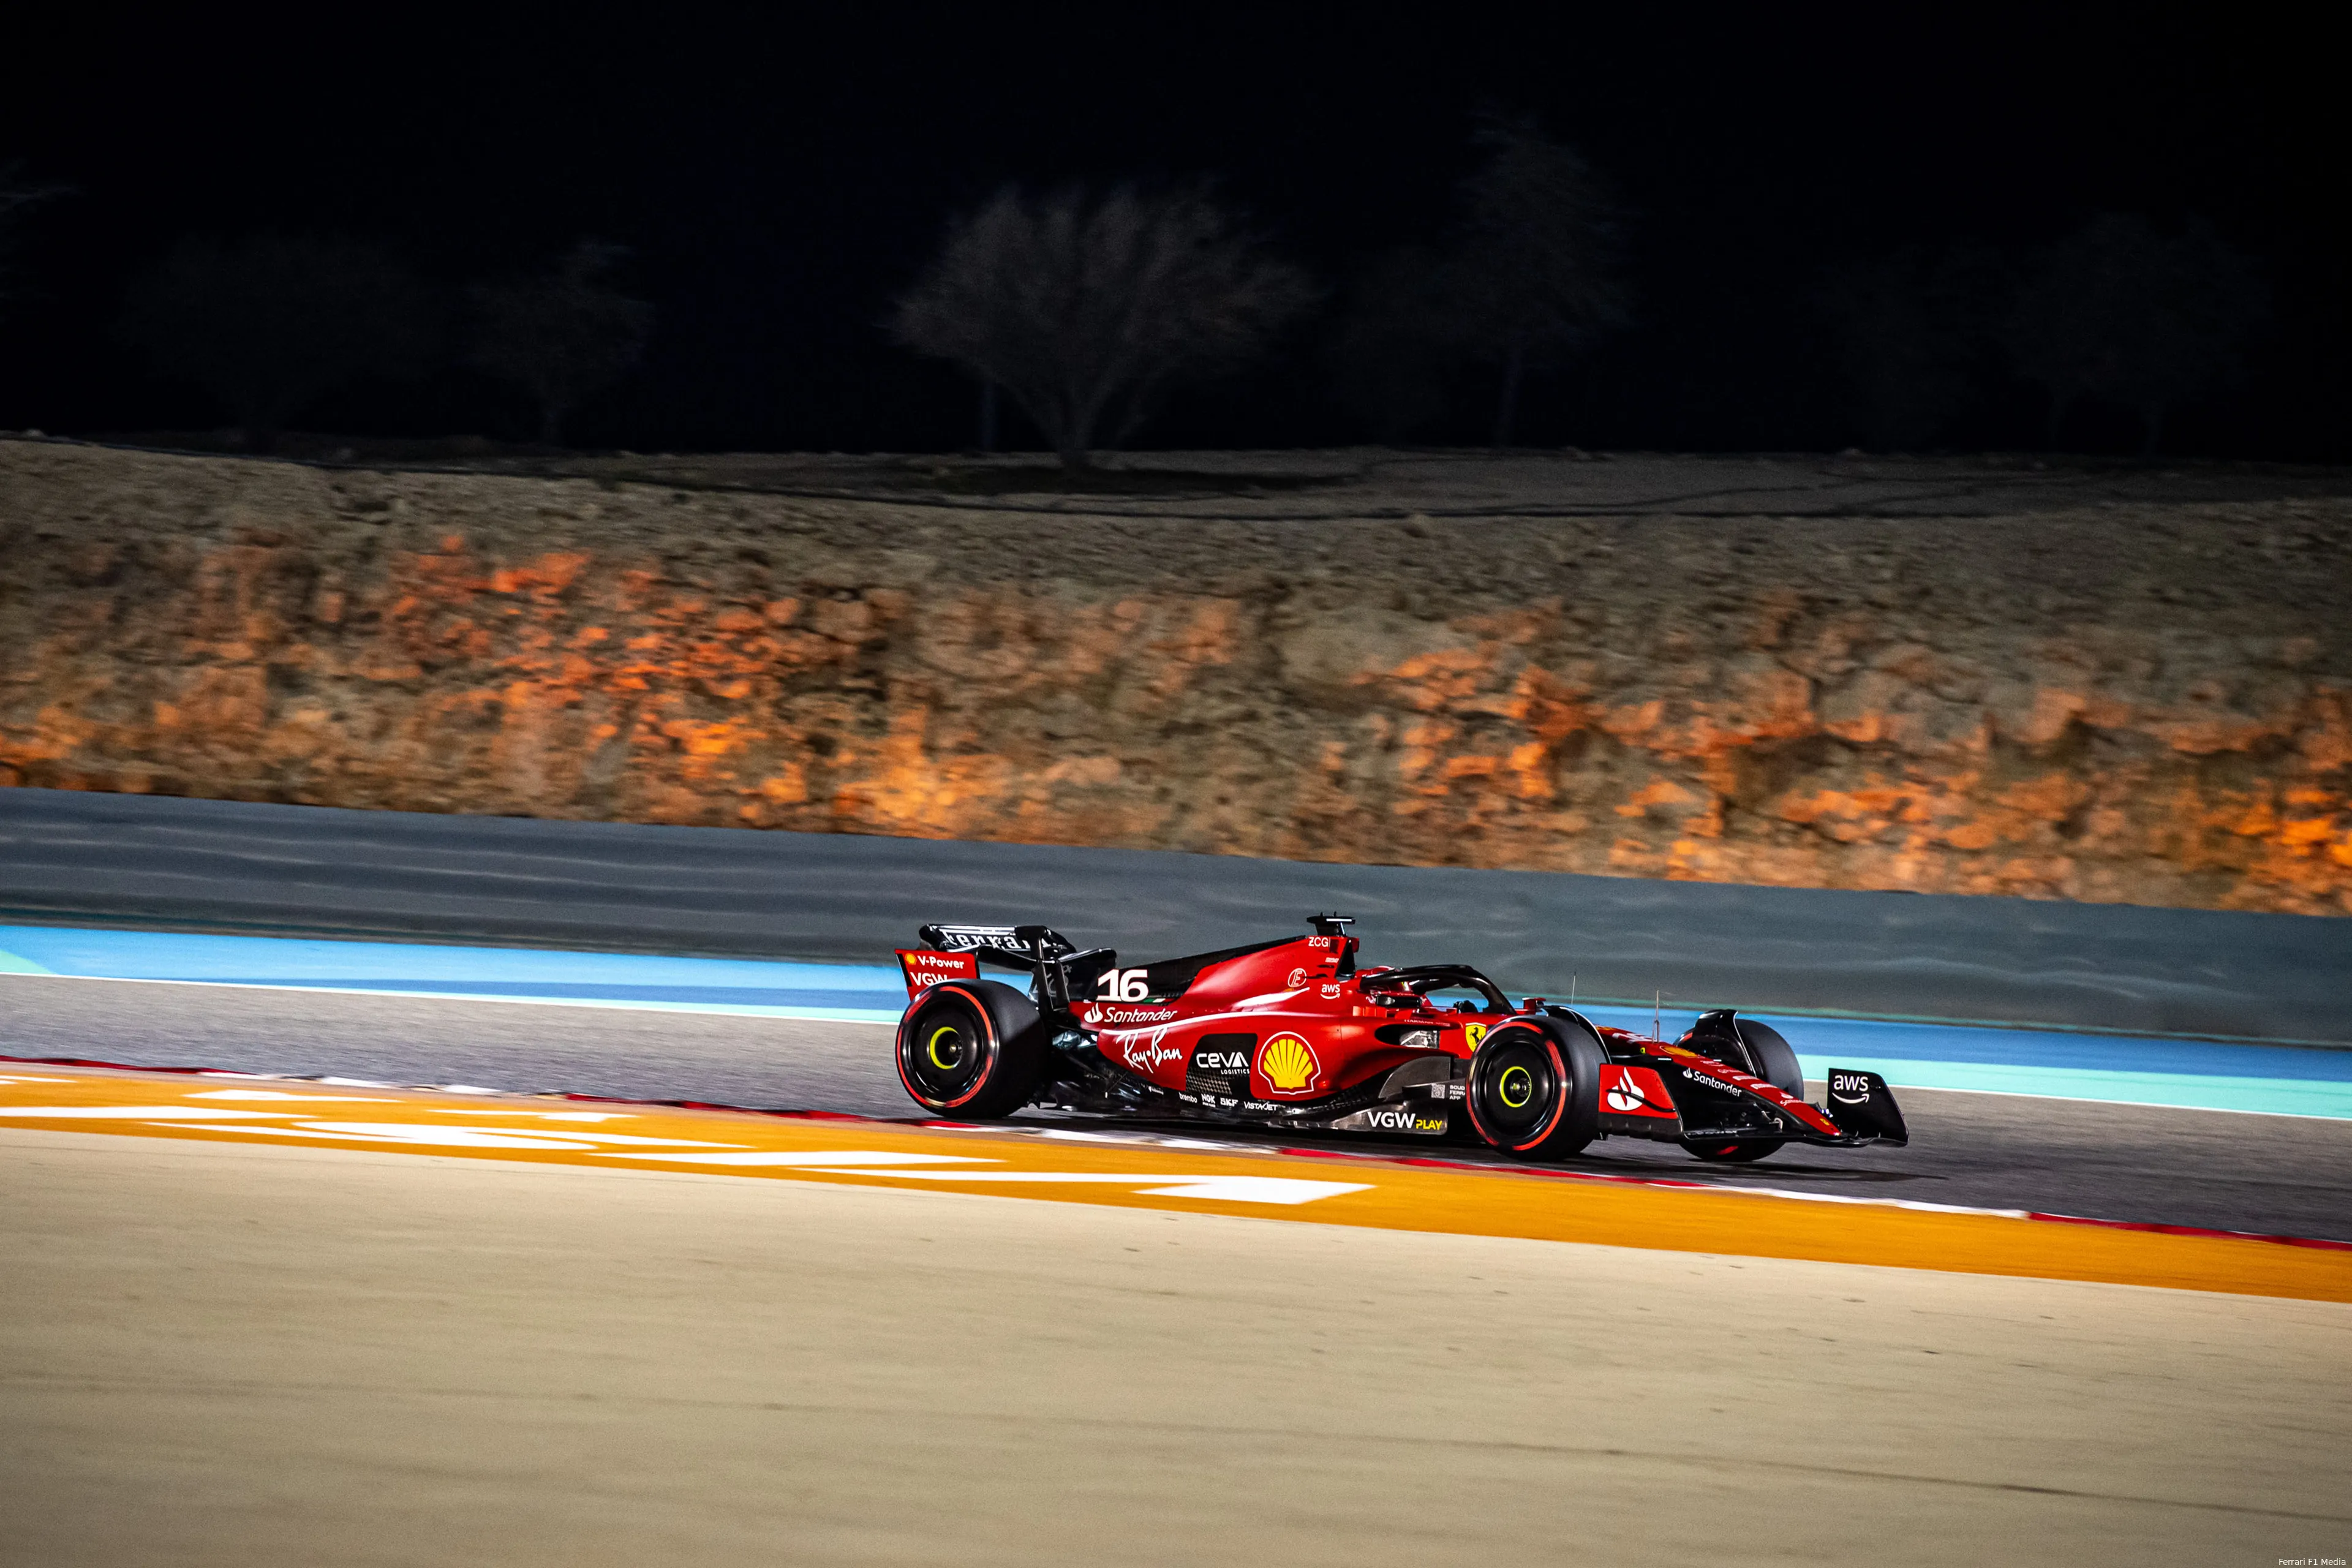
1730 1153
1775 1057
970 1048
1535 1088
1776 1064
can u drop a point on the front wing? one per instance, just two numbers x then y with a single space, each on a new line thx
1673 1093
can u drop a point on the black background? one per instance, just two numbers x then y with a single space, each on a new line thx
782 172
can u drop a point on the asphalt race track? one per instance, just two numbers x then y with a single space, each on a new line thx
2274 1175
226 1346
218 1352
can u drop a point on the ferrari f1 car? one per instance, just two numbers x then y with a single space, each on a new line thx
1292 1033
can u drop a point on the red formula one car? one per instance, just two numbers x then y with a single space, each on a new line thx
1290 1032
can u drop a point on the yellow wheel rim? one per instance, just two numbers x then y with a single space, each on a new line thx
1516 1087
947 1034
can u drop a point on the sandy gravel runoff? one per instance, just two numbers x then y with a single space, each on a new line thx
224 1354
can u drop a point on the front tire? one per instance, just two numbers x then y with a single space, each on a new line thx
1535 1090
1738 1154
1774 1055
970 1049
1775 1061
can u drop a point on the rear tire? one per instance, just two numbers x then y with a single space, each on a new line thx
970 1048
1535 1090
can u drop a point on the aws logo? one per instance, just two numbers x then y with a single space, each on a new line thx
1289 1065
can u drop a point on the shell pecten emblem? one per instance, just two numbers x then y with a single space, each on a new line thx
1288 1065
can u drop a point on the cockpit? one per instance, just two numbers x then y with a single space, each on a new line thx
1440 987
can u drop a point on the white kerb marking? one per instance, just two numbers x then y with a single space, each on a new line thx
865 1159
413 1136
539 1115
134 1112
281 1094
1259 1190
1158 1185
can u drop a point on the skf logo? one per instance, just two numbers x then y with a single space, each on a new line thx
1473 1033
1289 1065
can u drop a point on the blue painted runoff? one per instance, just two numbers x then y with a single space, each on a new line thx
864 993
2201 1075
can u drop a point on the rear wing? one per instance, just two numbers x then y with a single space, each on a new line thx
1058 971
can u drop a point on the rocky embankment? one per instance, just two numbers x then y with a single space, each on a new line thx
1963 679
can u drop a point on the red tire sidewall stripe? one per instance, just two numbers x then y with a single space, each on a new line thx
1560 1100
898 1056
1559 1105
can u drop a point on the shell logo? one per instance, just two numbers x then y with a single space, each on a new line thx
1288 1065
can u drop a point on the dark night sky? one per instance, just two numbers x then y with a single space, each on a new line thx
781 172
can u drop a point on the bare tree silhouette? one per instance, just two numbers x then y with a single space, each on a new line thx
1087 312
269 324
1911 335
19 193
565 336
2121 313
1537 272
1392 353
